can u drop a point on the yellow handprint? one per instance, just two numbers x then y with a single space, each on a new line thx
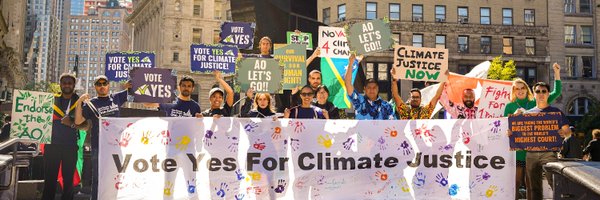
254 176
183 143
325 141
168 188
145 137
402 183
490 191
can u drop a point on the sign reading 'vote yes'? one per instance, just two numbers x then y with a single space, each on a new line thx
237 33
261 74
119 64
153 85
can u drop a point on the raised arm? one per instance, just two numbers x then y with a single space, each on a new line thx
439 91
314 55
395 93
228 90
557 91
348 76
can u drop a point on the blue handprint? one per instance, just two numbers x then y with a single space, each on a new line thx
419 179
239 196
191 186
348 143
453 190
441 179
221 192
251 127
239 175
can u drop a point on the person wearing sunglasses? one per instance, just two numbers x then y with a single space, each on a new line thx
306 110
414 110
536 160
368 106
104 105
521 99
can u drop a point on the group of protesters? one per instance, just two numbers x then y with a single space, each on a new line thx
73 112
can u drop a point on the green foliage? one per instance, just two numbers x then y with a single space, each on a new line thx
589 122
43 87
500 70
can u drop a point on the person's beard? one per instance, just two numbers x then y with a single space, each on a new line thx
66 90
185 93
469 104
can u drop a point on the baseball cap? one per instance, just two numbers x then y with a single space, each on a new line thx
212 91
100 77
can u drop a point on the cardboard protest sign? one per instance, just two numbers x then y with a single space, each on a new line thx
32 115
333 42
262 74
420 64
494 97
535 131
208 58
238 34
370 37
293 57
153 85
300 38
118 64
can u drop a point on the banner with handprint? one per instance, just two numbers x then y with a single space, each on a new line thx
32 115
249 158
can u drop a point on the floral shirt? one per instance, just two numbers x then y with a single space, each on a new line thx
366 109
406 111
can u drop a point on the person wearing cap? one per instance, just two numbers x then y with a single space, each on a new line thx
103 105
215 96
368 106
184 106
63 149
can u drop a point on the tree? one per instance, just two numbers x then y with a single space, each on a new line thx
589 122
43 87
500 70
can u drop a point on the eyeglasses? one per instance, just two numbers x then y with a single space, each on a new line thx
101 83
415 97
306 94
541 91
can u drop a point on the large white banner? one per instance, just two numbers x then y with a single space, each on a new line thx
231 158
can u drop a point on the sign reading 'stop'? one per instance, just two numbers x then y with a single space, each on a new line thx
118 64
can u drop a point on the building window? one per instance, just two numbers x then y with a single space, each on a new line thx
197 36
527 74
371 10
229 17
463 44
585 6
382 71
417 15
370 69
586 35
571 64
530 46
216 36
463 15
569 34
198 8
342 12
396 37
507 16
394 11
579 106
326 15
175 56
417 40
587 66
507 46
485 16
440 41
569 6
486 44
529 17
440 13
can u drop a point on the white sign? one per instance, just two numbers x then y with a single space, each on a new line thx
333 42
32 115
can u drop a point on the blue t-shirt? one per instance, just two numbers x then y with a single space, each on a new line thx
180 108
366 109
62 134
105 107
306 113
564 120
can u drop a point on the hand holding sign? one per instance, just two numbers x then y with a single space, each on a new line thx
370 37
422 64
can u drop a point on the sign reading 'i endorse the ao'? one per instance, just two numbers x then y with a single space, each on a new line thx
420 64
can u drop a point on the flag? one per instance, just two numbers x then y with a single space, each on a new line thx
78 165
333 71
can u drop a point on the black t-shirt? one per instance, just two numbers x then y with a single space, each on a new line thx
306 113
63 134
180 108
224 111
104 107
593 148
331 109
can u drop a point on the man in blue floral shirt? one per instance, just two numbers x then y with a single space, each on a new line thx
368 106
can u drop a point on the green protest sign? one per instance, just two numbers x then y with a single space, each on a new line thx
261 74
300 38
293 57
370 37
32 115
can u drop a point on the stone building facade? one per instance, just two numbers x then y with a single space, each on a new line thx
12 36
169 27
473 31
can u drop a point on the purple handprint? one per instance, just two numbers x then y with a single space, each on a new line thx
348 143
446 147
419 179
405 147
222 191
280 186
233 147
441 179
295 143
381 143
239 175
483 177
208 136
251 127
239 196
